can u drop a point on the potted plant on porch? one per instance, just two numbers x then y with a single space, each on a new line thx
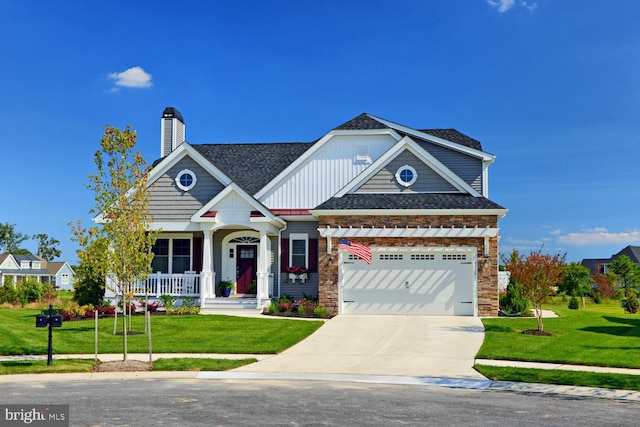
225 287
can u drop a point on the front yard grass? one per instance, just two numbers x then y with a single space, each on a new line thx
60 366
170 334
599 335
572 378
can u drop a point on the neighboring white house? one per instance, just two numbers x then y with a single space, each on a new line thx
257 213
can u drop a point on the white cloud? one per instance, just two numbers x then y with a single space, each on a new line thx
505 5
502 5
133 77
600 236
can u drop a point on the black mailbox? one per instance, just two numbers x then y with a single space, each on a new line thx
42 320
56 321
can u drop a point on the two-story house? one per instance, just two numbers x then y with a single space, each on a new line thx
416 200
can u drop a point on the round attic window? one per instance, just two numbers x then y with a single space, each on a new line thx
186 180
406 175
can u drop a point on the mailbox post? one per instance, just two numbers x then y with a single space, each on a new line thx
53 321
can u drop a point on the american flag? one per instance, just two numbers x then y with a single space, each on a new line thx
361 251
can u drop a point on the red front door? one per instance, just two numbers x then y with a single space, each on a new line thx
247 264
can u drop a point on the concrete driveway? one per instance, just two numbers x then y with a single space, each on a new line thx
433 346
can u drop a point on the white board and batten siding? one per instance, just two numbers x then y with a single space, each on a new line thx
425 281
329 169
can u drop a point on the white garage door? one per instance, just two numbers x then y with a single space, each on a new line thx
428 282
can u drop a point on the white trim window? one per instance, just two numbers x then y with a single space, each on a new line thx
186 180
172 254
64 279
299 250
406 175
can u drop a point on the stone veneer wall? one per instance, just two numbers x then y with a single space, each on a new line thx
487 266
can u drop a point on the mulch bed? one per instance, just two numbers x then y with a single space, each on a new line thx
123 366
537 332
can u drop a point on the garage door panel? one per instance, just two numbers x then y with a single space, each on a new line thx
409 283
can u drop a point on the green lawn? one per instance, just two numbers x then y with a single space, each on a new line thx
600 334
170 334
573 378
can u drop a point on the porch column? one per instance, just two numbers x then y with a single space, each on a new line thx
206 276
263 269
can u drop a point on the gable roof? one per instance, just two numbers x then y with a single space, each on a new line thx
366 121
245 163
633 252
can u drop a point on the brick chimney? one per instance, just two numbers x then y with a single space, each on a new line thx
172 131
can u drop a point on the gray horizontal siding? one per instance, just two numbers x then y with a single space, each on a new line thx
168 203
385 182
466 167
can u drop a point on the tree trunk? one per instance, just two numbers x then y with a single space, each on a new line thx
539 317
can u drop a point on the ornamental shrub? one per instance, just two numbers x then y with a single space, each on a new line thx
514 301
573 303
632 302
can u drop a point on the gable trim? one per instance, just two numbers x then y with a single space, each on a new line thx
203 214
184 150
408 143
488 157
319 144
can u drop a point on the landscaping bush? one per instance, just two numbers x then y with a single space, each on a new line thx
8 293
574 304
632 302
513 301
29 290
167 301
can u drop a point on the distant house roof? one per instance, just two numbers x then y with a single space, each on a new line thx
596 265
633 252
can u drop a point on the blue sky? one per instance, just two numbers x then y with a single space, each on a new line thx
551 87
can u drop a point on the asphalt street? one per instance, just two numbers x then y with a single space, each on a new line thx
187 402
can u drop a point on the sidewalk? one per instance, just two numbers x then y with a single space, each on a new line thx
558 366
467 383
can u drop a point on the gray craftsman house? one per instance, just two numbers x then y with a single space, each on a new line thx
269 216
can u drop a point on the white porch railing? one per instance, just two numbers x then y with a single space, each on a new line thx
157 284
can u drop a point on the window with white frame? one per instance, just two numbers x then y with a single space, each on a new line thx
171 255
299 250
64 279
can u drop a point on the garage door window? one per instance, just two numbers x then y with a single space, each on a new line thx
395 257
454 257
423 257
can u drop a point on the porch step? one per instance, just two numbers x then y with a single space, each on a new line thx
229 305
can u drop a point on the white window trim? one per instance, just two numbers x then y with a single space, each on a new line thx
64 279
406 183
170 238
299 236
183 172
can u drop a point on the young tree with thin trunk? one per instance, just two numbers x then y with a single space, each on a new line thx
122 209
538 274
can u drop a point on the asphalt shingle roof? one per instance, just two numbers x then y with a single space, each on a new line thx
365 121
408 201
253 166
